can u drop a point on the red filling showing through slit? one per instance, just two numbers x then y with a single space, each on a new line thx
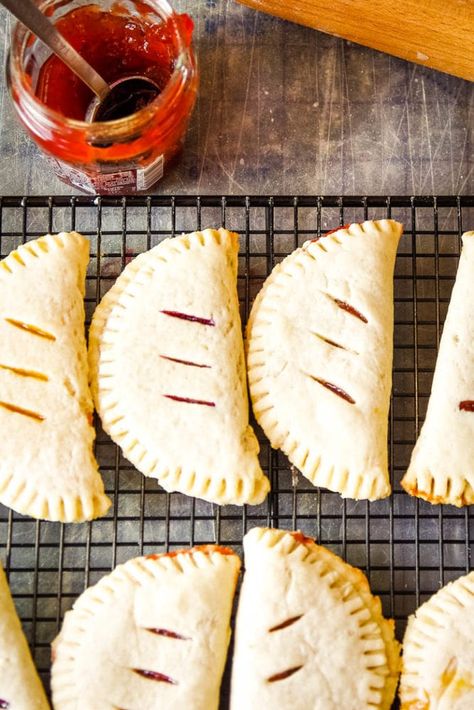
335 389
168 634
182 362
189 316
187 400
286 623
154 675
283 674
4 704
350 309
466 405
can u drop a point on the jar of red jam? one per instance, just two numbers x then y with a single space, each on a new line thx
119 39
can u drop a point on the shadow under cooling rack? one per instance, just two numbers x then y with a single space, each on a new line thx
407 547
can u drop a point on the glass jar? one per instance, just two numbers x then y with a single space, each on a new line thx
128 155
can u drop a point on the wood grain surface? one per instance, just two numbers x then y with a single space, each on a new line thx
285 109
436 33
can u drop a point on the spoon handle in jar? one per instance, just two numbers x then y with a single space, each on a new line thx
31 16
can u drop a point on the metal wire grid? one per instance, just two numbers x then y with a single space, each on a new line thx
407 547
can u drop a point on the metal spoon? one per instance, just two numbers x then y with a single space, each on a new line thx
117 100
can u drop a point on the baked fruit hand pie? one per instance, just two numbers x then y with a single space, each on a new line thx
309 633
47 468
438 651
320 340
20 686
168 370
151 635
441 469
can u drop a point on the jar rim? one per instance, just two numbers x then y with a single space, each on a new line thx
19 36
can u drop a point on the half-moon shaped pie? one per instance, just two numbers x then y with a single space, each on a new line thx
320 340
152 634
168 368
441 469
309 633
20 686
47 467
438 651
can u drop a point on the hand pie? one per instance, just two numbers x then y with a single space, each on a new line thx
152 634
20 687
438 651
168 369
309 633
441 469
47 468
320 340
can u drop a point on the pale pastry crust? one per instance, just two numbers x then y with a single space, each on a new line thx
167 615
20 685
438 651
320 341
441 469
168 332
309 634
47 466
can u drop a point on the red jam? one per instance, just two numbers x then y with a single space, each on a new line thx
130 153
116 46
207 549
301 539
337 229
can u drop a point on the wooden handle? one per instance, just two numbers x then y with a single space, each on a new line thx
436 33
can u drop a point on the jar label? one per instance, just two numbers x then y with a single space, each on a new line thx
146 177
134 179
71 175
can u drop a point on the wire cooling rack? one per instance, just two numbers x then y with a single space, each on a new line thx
407 547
